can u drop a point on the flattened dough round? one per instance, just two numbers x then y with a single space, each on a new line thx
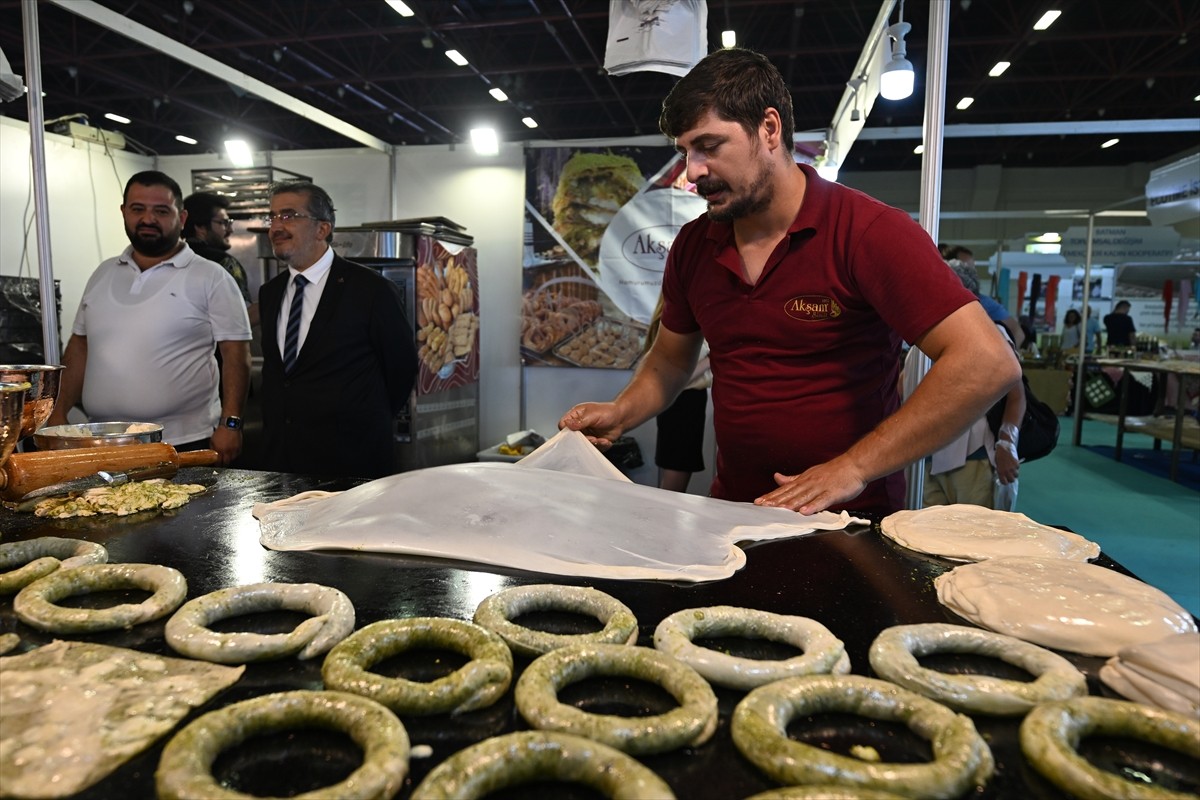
1064 605
963 532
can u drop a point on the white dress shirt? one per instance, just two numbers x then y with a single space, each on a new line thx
315 275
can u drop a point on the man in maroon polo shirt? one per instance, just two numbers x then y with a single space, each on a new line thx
804 290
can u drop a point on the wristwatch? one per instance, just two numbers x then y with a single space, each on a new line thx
233 423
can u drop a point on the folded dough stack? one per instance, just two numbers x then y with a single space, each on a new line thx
1164 673
1065 605
963 532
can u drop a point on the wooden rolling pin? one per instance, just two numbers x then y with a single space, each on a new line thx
24 472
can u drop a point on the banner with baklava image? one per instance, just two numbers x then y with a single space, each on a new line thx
598 224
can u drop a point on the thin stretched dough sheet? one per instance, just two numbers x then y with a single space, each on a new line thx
539 520
1061 604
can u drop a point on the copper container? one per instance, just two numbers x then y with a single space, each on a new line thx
42 394
12 406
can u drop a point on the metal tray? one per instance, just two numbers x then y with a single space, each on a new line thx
603 331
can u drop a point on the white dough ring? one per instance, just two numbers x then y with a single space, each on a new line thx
690 725
528 756
894 655
497 612
333 620
477 684
823 652
1050 736
185 770
961 758
29 560
35 604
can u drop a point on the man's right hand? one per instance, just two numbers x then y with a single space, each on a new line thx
599 422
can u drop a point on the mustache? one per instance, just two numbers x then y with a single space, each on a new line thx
707 186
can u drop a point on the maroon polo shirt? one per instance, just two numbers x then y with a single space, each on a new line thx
806 361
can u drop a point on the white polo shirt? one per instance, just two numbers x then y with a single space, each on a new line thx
151 337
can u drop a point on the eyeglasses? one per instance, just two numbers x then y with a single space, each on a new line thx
226 223
288 216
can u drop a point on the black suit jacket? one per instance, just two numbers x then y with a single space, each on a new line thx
333 415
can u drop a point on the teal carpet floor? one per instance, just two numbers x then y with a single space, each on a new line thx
1147 523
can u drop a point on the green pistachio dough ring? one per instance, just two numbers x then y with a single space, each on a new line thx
477 684
1050 736
35 604
517 758
823 652
188 633
185 770
497 612
690 725
824 793
759 727
894 655
31 559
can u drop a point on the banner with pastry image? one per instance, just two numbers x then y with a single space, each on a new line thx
598 225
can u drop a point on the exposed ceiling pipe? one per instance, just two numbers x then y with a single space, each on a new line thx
550 29
596 59
90 10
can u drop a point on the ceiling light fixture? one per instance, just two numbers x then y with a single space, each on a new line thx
1109 144
498 93
185 139
239 152
728 38
965 103
456 57
998 70
485 141
401 8
117 118
530 122
1046 20
896 80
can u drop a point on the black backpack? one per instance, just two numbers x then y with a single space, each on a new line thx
1039 428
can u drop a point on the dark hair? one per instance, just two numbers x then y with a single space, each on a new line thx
1120 305
200 208
320 204
153 177
1067 316
738 84
950 251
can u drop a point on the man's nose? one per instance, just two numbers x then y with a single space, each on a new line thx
696 169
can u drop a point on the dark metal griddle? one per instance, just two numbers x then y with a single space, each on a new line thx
855 582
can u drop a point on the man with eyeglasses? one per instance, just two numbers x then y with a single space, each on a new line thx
207 231
338 355
143 344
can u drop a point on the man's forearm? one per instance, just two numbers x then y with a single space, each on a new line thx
235 377
956 392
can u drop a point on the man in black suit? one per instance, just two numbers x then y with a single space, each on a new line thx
338 355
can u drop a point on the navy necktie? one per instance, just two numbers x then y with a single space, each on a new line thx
291 340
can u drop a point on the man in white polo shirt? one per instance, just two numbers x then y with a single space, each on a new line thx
143 343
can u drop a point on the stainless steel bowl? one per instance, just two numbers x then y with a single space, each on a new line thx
93 434
12 405
42 394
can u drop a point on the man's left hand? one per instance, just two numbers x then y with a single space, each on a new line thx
816 489
228 443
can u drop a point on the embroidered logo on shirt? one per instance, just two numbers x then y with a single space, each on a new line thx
812 308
